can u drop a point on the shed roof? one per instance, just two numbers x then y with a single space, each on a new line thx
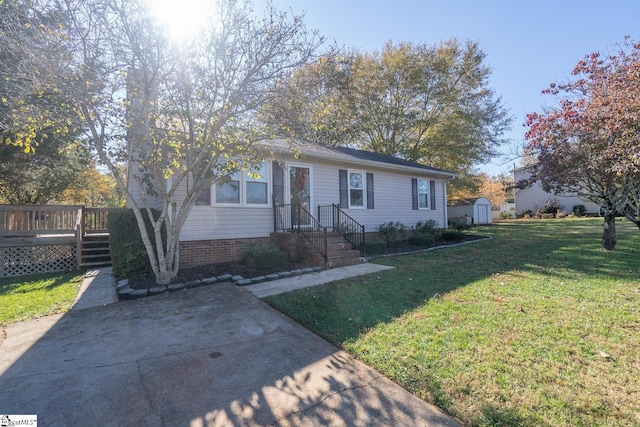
467 202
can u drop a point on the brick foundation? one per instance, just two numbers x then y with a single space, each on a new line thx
201 252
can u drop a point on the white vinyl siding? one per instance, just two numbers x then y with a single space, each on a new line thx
393 202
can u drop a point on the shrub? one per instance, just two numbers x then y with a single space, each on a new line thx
128 254
453 236
375 248
547 216
392 231
579 210
526 212
266 258
428 227
550 206
422 240
459 224
505 215
561 214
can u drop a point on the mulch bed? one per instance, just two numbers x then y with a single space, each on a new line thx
246 271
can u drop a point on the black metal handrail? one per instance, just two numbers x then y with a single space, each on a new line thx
340 222
297 219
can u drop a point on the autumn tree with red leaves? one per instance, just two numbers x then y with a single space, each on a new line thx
590 143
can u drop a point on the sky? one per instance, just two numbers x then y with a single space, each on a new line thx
528 45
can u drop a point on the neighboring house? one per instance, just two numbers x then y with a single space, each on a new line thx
534 197
370 188
478 210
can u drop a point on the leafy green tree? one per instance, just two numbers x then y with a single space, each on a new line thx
429 104
95 188
182 116
41 177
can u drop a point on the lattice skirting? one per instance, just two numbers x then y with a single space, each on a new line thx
23 260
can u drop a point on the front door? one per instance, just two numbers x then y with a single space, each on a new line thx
300 189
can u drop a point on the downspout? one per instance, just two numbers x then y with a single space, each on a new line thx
446 215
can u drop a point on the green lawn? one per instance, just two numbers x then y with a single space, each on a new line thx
28 297
536 327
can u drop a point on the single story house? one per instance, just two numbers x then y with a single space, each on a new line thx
477 209
534 197
366 188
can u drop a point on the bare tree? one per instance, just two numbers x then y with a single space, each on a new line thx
183 116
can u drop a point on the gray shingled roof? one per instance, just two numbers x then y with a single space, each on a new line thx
351 155
383 158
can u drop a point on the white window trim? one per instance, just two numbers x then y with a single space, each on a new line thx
243 179
428 207
364 188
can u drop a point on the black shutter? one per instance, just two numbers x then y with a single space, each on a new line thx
344 189
414 193
432 194
278 183
370 204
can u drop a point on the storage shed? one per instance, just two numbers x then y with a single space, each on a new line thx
478 210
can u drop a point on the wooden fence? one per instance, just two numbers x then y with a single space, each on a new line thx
38 239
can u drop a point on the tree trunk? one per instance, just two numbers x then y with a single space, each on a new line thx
609 231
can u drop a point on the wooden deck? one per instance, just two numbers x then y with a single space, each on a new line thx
35 239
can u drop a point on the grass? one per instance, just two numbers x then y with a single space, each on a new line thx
536 327
29 297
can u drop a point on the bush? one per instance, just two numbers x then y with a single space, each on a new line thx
453 236
526 212
267 258
505 215
128 254
579 210
392 231
427 228
375 248
561 214
422 240
550 206
459 224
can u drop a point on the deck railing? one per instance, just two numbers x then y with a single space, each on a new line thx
37 239
34 220
96 221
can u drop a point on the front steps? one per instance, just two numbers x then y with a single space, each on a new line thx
340 253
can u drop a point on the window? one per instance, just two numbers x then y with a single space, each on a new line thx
248 188
229 191
423 194
356 189
257 187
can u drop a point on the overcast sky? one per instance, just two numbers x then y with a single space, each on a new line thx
528 44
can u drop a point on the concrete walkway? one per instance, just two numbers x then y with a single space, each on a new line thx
280 286
98 288
210 356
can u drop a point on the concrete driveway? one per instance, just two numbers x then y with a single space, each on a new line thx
210 356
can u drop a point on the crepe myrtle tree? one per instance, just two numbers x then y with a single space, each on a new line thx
180 115
590 143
